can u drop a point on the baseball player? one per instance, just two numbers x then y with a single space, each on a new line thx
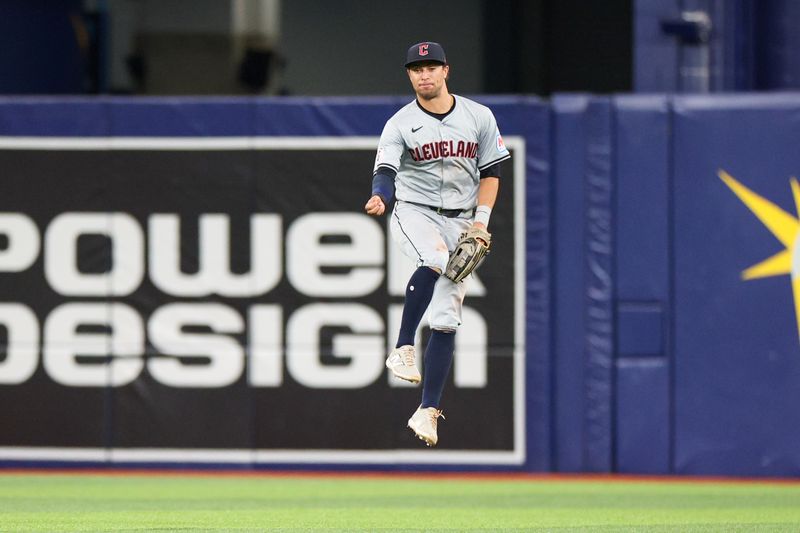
440 156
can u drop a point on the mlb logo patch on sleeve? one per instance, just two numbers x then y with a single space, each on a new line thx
501 146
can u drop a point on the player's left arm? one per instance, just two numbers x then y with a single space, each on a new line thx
491 153
473 245
487 196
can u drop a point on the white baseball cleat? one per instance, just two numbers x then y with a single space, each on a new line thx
423 422
402 363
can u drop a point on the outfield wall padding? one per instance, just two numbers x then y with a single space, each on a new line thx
636 315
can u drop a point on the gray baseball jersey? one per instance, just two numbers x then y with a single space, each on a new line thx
438 162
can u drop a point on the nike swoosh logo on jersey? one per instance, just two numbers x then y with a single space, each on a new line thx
415 130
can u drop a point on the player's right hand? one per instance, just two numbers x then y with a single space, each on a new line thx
375 206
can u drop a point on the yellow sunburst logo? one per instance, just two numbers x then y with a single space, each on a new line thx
784 227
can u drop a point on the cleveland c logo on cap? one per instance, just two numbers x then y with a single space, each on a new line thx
423 49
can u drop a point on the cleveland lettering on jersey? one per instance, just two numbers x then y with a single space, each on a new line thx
442 149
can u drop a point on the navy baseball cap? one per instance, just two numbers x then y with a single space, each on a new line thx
425 51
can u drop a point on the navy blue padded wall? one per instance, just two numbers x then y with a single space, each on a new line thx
642 263
582 284
737 355
599 286
568 257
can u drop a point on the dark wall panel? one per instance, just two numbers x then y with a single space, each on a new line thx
195 281
736 340
642 291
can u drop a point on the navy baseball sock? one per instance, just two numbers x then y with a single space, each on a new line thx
418 295
438 358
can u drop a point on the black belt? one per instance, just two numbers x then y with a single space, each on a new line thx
449 213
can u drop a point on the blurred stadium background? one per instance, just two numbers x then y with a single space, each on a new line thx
188 280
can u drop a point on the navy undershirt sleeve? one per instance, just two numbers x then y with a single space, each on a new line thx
383 184
491 172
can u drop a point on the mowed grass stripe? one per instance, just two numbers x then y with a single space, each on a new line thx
76 502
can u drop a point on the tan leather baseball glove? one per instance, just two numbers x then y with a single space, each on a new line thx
468 254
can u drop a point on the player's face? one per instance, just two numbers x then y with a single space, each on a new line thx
428 79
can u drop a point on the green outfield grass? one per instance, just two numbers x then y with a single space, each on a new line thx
163 502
